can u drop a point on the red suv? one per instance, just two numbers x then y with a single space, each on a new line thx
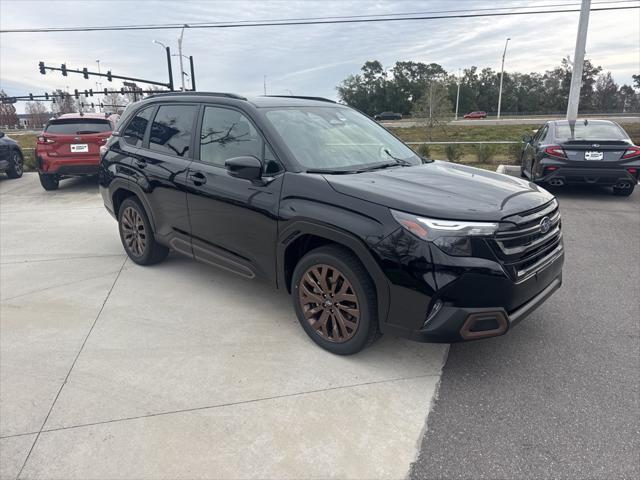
70 145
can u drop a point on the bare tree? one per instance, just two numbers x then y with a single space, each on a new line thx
38 114
63 102
433 108
8 114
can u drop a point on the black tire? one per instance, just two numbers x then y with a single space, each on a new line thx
347 265
49 182
623 192
16 167
137 236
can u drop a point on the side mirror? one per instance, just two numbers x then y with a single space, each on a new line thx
249 167
1 134
527 138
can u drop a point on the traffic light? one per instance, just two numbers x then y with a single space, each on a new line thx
41 66
76 94
63 68
106 92
91 92
46 96
122 90
86 93
109 76
31 97
85 72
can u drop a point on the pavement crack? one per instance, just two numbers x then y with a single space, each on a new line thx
73 364
231 404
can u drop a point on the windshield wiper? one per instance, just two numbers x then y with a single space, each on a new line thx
399 161
329 170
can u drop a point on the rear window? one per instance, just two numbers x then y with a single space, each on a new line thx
590 131
78 126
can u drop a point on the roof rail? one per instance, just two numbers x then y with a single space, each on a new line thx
198 94
303 97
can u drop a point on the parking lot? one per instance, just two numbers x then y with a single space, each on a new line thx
112 370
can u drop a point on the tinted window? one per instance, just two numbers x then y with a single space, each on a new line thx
590 131
227 134
78 126
134 133
171 129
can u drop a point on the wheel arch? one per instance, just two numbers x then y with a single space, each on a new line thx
301 237
121 189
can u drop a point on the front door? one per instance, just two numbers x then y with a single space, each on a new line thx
233 221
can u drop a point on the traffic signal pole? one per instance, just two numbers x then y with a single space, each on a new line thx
578 62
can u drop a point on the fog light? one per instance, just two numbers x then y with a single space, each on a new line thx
434 311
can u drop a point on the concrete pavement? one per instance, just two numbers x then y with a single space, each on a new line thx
112 370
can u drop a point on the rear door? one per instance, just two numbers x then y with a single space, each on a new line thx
160 168
77 138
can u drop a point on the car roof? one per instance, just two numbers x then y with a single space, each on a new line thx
263 101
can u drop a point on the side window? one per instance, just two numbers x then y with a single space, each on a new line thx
271 165
542 133
171 129
227 134
134 133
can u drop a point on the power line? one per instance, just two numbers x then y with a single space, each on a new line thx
273 23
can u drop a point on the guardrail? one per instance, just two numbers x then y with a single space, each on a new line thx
492 142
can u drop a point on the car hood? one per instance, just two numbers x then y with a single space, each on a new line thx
443 190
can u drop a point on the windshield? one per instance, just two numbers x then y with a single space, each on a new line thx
590 131
330 138
78 126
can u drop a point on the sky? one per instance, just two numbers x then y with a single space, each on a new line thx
302 60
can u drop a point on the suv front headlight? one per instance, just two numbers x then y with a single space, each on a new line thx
452 236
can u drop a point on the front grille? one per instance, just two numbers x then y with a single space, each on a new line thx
521 246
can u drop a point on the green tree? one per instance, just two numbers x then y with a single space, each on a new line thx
606 94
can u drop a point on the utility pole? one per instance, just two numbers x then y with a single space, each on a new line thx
264 84
430 97
180 56
458 95
501 76
98 84
578 62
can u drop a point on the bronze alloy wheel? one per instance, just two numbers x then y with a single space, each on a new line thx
133 231
329 303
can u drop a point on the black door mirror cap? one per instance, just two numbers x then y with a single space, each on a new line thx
527 138
247 167
1 134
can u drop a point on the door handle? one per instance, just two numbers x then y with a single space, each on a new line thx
197 178
141 162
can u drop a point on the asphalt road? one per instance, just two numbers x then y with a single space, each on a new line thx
558 396
505 121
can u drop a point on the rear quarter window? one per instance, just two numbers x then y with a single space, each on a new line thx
78 126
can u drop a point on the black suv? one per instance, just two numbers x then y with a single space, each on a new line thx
320 200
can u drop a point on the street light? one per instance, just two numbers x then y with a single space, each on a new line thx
502 75
168 50
458 95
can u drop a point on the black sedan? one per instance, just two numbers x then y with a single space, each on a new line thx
388 116
11 158
596 152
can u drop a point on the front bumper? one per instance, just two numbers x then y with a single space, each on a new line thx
438 298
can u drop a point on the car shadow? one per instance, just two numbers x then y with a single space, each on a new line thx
79 184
